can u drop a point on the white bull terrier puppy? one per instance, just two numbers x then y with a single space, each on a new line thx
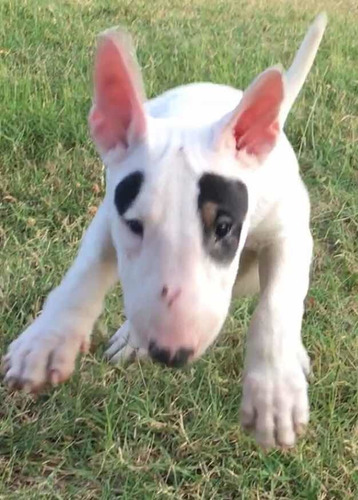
204 199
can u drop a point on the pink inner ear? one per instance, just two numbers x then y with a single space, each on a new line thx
117 114
256 127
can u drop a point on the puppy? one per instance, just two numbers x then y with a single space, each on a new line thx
204 199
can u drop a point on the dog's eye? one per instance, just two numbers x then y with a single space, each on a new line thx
223 226
136 226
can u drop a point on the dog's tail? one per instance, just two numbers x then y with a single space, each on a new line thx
298 71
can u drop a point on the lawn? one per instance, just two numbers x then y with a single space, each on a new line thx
145 432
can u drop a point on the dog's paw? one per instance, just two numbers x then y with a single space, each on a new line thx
43 354
122 346
275 402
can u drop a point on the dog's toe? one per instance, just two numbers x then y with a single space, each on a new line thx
124 354
122 347
276 407
42 356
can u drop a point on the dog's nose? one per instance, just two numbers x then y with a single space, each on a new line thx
180 358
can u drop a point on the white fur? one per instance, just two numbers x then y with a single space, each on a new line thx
183 125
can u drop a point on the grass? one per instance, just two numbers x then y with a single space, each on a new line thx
144 432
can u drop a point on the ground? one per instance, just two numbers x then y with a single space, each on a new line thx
146 432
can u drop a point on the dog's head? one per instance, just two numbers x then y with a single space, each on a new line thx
181 195
180 201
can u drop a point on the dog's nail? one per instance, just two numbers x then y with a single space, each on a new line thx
300 429
5 365
12 383
84 348
55 377
27 387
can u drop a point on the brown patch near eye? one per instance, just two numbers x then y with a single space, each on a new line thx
209 211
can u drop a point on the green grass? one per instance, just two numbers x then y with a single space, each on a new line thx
145 432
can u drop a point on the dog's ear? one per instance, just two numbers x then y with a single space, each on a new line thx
254 126
117 117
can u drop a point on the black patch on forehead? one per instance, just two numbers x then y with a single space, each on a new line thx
221 202
127 191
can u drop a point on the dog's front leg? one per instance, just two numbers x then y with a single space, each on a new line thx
46 351
275 400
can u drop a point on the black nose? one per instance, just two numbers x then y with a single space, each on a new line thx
164 357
